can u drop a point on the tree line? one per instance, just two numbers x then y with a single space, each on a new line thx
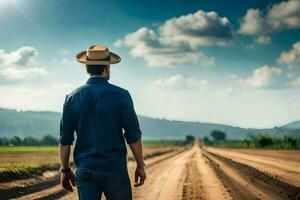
47 140
218 138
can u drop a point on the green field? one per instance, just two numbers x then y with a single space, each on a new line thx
28 149
22 158
28 159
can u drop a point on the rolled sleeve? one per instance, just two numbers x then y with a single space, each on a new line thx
130 124
66 134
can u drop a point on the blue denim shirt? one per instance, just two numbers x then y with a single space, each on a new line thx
102 115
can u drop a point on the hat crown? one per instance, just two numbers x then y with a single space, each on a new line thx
98 55
97 52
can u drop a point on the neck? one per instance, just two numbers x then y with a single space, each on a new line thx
99 76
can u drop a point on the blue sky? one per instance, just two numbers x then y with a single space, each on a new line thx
233 63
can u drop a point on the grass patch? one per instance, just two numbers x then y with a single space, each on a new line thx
50 149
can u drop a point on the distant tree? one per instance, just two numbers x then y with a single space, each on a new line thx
30 141
251 136
207 141
189 139
264 140
247 142
49 140
16 141
218 135
290 142
4 141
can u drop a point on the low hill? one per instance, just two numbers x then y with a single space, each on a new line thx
38 124
293 125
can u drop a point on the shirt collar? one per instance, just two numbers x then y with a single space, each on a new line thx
96 80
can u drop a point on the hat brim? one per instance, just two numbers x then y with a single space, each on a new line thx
82 58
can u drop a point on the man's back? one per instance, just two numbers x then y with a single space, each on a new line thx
98 111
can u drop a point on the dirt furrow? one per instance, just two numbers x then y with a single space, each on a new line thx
165 179
49 193
192 187
287 170
213 187
238 186
18 191
248 183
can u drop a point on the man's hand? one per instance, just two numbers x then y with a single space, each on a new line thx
66 178
139 176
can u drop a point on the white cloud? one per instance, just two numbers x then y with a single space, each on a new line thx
20 64
178 82
295 82
263 39
278 17
63 58
118 43
292 56
32 97
177 41
262 77
228 91
253 23
200 28
160 52
14 73
285 15
232 76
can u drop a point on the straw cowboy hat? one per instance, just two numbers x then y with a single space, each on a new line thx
98 55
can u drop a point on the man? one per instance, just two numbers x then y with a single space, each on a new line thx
103 117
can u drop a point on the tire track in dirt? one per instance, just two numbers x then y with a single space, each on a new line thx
192 187
186 176
212 185
287 170
201 180
25 190
246 182
54 196
51 193
236 189
165 179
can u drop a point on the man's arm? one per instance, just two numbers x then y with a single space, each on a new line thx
65 151
67 174
137 152
132 134
66 138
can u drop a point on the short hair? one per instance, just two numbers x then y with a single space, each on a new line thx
95 69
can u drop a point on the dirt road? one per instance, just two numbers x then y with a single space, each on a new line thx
185 176
182 175
196 173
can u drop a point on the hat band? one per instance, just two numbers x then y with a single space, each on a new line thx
104 59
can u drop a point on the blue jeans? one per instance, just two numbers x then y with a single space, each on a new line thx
91 184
